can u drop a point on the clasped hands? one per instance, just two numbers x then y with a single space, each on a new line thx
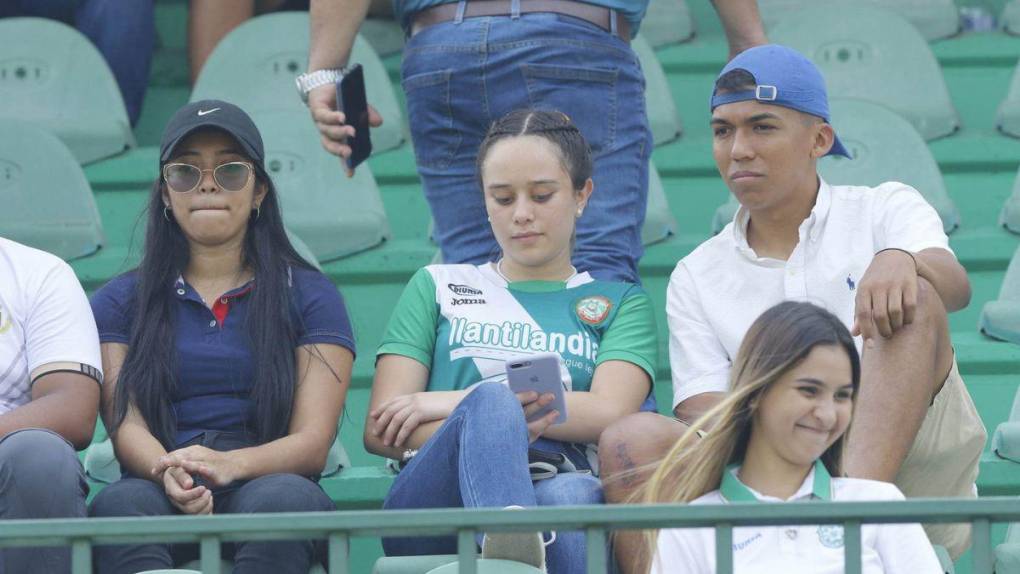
395 420
178 468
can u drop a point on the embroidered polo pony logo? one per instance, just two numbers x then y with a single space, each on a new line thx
593 310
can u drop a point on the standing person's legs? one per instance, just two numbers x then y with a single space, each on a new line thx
567 554
276 493
477 458
132 497
125 33
40 477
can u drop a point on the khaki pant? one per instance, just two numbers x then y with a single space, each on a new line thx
943 462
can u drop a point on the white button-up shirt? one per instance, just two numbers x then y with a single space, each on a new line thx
717 291
807 549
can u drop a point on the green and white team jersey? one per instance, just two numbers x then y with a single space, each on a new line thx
465 321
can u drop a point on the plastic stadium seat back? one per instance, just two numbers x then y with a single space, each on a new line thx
384 35
1007 554
667 22
885 147
491 566
1001 318
663 118
873 54
45 199
1006 440
255 65
303 250
333 214
1010 215
411 564
1010 18
101 463
1008 116
54 77
934 19
659 221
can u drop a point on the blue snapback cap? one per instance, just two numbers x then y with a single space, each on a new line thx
783 77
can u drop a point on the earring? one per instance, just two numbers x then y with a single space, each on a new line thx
166 212
489 219
258 212
580 211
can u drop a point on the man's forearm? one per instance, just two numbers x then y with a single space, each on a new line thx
334 25
69 413
742 24
946 275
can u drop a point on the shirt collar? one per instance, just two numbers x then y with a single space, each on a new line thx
182 288
817 484
812 226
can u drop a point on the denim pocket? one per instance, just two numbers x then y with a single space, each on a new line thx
587 95
435 138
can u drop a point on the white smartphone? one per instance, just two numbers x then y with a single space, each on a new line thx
539 373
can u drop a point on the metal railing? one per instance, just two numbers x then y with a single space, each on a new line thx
595 521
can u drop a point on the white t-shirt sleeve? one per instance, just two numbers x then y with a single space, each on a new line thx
59 326
681 551
697 359
904 547
906 220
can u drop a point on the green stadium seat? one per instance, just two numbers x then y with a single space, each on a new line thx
1007 554
1008 117
1001 319
47 202
934 19
885 147
1006 440
446 564
1009 217
663 118
54 77
667 22
1010 18
659 222
255 65
303 250
335 216
384 35
873 54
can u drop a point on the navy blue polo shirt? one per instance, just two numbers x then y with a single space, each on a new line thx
215 371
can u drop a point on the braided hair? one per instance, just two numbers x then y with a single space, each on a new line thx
554 126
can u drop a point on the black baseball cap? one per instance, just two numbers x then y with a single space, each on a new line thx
213 114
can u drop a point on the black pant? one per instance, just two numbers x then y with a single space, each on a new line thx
271 493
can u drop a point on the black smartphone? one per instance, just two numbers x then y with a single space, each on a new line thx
351 99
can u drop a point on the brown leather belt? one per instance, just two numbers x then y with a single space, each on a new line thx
598 15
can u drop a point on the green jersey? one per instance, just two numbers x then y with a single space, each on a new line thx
464 321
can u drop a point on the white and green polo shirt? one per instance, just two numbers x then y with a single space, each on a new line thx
464 321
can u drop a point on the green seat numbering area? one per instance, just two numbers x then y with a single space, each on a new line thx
952 88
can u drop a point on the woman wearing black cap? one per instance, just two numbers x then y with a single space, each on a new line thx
228 356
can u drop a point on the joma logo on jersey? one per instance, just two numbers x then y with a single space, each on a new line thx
454 302
463 290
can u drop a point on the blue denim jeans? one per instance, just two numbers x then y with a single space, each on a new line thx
124 31
460 76
479 458
270 493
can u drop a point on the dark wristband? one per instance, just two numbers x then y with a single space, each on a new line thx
912 257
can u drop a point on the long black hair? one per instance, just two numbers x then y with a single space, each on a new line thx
148 378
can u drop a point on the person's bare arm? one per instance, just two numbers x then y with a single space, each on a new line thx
63 402
742 24
694 407
209 21
946 275
323 377
617 389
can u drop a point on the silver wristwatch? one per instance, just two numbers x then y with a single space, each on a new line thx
311 80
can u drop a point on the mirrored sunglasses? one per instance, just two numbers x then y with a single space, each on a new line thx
183 177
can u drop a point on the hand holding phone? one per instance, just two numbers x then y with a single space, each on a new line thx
539 373
352 101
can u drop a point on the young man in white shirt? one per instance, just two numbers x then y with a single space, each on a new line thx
49 396
876 257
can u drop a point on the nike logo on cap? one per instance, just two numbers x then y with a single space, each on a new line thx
204 112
